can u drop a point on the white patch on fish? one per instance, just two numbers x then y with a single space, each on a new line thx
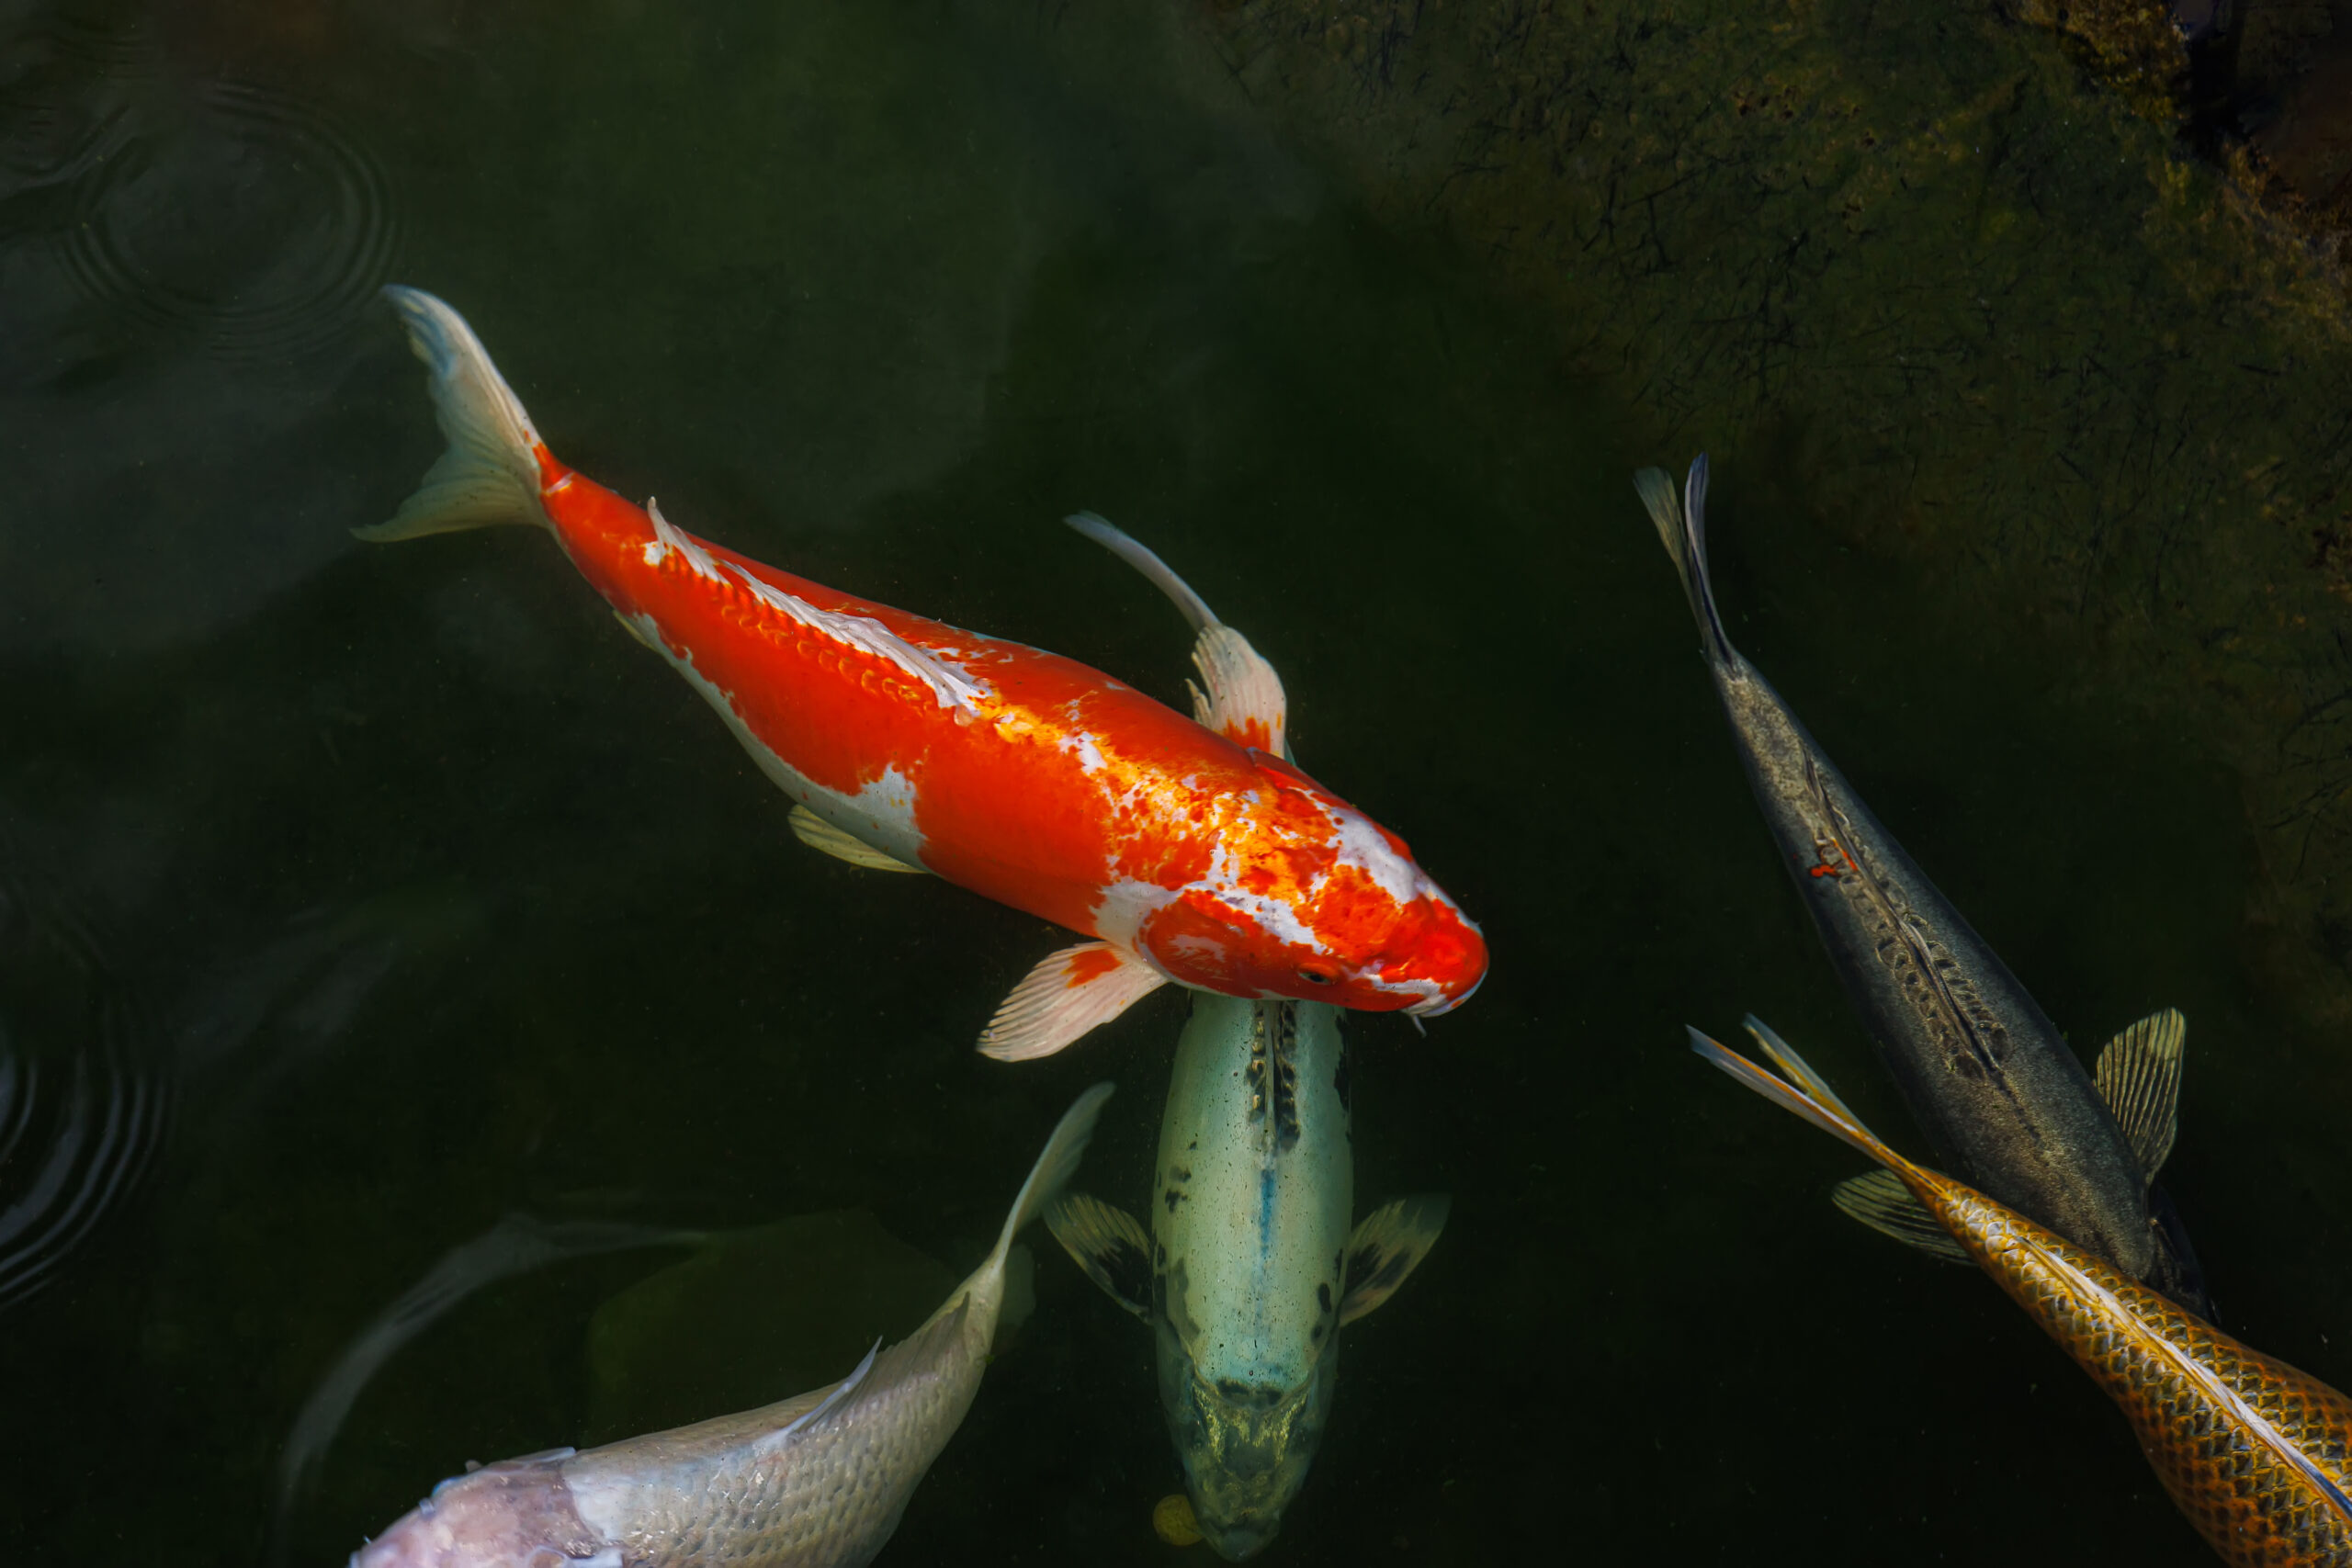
882 813
697 559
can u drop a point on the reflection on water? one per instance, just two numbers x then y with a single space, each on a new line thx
85 1092
244 217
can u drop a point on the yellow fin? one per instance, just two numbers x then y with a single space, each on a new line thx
2139 1077
818 834
1881 1201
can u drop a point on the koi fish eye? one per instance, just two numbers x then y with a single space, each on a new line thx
1318 973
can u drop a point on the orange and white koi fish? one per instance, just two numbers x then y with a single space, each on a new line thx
1189 853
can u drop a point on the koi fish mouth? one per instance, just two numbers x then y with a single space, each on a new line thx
1434 1006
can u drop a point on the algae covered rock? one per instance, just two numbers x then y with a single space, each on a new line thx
1954 282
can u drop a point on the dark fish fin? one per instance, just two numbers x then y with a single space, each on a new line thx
2178 1273
1682 528
1880 1199
1109 1245
2139 1077
1389 1246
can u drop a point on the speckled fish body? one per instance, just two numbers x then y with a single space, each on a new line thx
1253 1193
2257 1454
1189 855
1250 1267
1984 1071
817 1480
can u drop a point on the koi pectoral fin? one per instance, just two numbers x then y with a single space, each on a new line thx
1386 1248
823 836
1068 994
1881 1202
1244 702
2139 1077
1109 1245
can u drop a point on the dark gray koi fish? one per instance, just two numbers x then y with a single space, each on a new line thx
1984 1072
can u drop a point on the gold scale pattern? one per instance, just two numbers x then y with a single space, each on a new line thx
2253 1505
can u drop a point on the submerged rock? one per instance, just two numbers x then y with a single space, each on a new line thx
1979 309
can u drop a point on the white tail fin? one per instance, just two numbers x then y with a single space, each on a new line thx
1052 1170
491 473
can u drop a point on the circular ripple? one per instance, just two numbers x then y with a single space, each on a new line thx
252 223
84 1100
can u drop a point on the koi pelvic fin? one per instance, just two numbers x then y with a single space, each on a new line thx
2139 1077
1068 994
1108 1243
1244 701
1682 528
489 475
1879 1200
1386 1248
825 839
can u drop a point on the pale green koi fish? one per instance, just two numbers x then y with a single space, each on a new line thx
1250 1267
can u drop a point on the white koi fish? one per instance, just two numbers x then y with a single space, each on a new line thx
817 1481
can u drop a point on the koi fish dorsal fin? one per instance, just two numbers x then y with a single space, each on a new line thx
1386 1248
1682 528
2139 1077
1069 993
822 1408
1109 1245
1244 702
490 474
1879 1200
823 836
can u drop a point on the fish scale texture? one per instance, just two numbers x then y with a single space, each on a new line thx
830 1498
2252 1505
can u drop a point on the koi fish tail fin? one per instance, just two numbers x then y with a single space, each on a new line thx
1052 1170
490 472
1803 1091
1682 528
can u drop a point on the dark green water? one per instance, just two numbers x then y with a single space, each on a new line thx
428 898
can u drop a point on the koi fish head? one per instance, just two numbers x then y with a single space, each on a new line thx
1311 899
514 1514
1246 1450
